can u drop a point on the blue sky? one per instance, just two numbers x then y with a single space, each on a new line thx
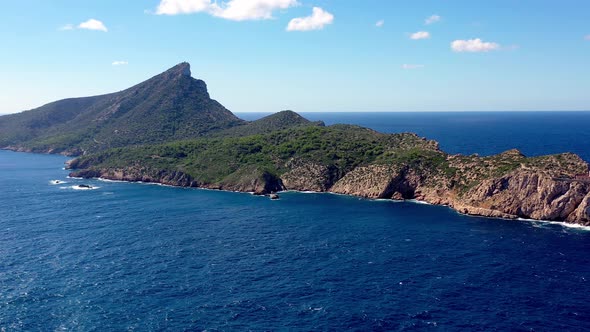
305 55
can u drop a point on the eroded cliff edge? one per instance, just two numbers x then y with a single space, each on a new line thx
361 162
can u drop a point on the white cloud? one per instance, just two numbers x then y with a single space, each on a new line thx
432 19
317 21
587 37
240 10
120 63
66 27
420 35
236 10
412 66
93 24
473 45
175 7
380 23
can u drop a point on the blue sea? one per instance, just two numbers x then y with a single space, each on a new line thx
143 257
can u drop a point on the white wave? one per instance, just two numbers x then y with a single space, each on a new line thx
560 223
107 180
388 200
417 202
73 177
290 191
138 182
54 182
164 185
78 187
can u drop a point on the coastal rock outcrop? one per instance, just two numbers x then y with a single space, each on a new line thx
529 194
581 214
306 176
139 174
373 181
254 181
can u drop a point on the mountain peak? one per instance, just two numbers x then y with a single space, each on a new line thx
180 72
181 69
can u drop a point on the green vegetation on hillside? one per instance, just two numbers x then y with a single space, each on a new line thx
212 160
339 149
277 121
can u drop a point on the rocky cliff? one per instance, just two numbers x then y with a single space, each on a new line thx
523 193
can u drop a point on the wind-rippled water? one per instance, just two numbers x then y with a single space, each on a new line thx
146 257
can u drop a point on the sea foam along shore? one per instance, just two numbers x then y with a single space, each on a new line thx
560 223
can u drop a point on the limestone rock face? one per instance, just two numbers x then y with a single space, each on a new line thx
138 174
253 181
529 194
581 214
532 190
483 212
374 181
309 176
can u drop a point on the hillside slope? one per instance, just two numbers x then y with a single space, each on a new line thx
277 121
167 107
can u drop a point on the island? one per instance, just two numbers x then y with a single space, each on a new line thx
167 130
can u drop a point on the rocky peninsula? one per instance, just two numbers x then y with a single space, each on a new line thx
168 130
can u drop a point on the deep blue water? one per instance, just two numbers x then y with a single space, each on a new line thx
147 257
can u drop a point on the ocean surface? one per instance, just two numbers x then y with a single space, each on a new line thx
143 257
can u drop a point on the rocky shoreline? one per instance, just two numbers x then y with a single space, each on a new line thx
524 193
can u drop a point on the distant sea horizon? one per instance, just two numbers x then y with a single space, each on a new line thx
336 111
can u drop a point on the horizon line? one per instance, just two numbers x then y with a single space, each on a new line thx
430 111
